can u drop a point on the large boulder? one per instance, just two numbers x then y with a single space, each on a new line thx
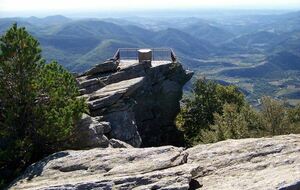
139 100
265 163
158 105
115 143
110 94
89 133
107 66
124 127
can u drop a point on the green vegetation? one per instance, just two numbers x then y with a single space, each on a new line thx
207 98
215 112
37 101
232 49
38 104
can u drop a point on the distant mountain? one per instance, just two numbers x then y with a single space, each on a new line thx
183 42
49 20
5 23
246 24
267 42
79 44
275 66
285 23
90 28
258 39
89 42
205 31
290 43
263 41
285 61
259 52
107 49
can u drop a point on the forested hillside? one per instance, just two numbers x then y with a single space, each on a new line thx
250 51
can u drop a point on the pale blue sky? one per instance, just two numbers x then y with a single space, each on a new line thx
93 5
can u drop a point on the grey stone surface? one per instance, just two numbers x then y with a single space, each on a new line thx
158 104
262 164
89 133
139 100
124 127
115 143
149 168
89 85
265 163
107 66
105 126
110 94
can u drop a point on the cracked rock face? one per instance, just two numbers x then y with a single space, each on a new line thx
162 167
140 101
265 163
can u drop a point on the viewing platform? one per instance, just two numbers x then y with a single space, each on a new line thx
157 56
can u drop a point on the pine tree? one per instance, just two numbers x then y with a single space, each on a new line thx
38 103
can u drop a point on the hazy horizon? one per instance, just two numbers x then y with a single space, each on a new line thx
149 13
15 8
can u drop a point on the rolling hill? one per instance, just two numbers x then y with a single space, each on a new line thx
79 44
206 31
275 66
252 51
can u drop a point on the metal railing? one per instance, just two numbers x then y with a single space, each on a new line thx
158 54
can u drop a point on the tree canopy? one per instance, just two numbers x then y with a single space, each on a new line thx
38 103
207 98
215 112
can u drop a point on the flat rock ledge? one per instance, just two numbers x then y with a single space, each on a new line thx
264 163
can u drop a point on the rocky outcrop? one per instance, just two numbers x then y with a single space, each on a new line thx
139 100
148 168
114 143
91 133
265 163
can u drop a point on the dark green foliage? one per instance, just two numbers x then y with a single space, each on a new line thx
234 124
294 118
38 102
229 124
253 55
57 105
198 111
294 114
279 119
216 112
273 119
274 115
